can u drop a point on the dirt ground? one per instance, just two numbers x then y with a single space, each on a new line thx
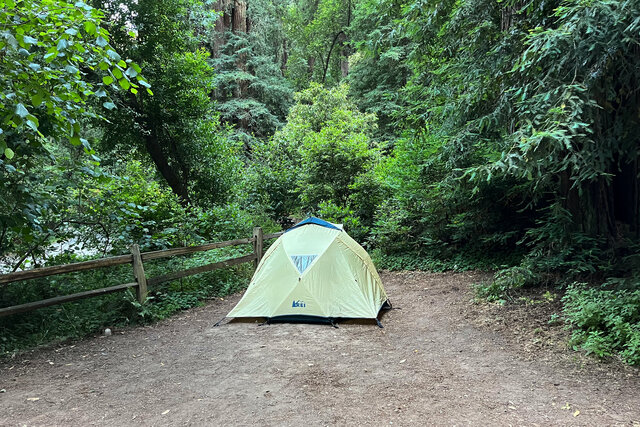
440 360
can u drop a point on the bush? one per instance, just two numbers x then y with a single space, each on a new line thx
504 283
604 321
323 155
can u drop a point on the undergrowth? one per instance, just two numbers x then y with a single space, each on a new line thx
439 261
605 320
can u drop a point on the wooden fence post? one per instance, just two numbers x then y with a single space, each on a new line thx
138 272
257 244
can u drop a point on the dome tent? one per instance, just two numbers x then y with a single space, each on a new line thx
315 270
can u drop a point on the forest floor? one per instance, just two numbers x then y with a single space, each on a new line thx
440 360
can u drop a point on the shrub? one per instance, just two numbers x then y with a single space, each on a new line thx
604 321
504 283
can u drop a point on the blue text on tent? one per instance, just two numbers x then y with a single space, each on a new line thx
298 304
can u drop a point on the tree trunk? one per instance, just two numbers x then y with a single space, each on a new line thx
311 62
222 25
571 201
178 185
344 55
239 16
345 50
239 20
228 13
285 57
508 15
340 35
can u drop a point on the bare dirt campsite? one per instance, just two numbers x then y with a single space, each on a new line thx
440 360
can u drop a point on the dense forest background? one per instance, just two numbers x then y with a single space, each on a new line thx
498 135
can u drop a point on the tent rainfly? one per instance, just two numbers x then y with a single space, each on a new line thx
314 271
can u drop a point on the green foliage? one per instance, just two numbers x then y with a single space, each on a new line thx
431 261
271 180
605 321
251 91
430 212
134 208
322 160
316 31
501 288
332 141
57 66
104 209
177 128
54 56
379 68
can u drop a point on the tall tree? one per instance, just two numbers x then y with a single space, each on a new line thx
380 68
177 125
248 51
319 43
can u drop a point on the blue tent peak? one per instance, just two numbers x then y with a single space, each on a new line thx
316 221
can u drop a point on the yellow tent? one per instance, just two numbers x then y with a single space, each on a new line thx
314 269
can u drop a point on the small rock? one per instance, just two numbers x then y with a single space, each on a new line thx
107 332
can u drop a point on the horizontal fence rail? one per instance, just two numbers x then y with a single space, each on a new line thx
136 259
146 256
62 299
62 269
197 270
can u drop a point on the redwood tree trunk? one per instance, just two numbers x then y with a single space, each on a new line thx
239 16
285 57
239 22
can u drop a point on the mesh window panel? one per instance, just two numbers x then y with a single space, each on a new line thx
302 261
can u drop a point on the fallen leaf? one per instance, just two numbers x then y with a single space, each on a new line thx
403 360
166 412
575 414
33 399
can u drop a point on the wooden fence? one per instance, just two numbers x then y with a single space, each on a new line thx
136 259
